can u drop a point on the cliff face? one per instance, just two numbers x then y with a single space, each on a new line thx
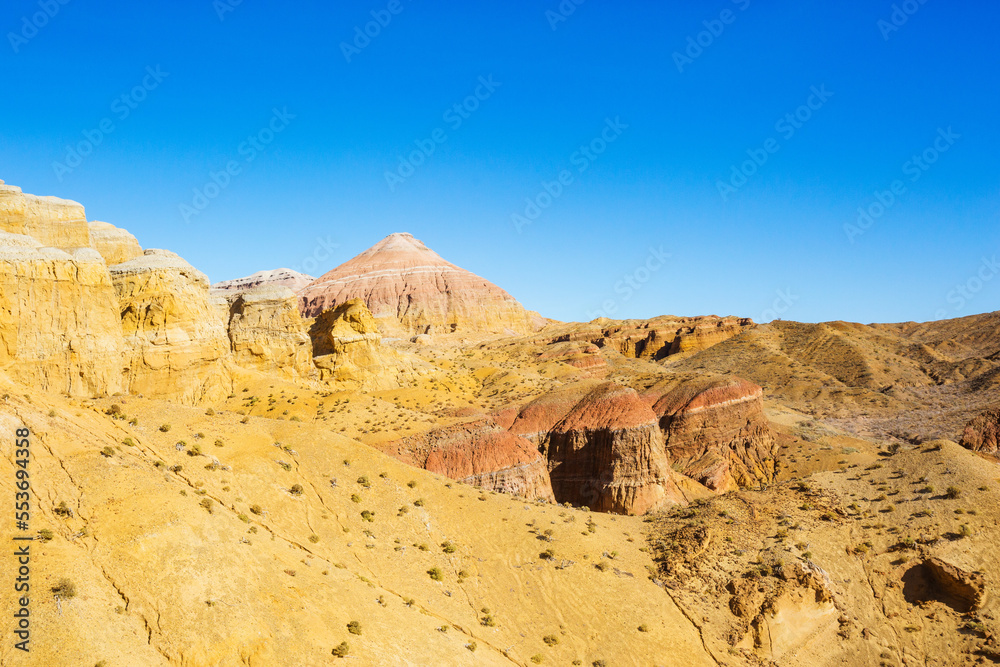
410 289
53 222
983 434
347 348
175 340
267 333
607 454
616 451
714 428
59 325
479 453
114 244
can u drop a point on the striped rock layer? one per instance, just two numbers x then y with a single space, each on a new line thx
410 289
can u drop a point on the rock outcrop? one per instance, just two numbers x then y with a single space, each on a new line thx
267 333
411 290
715 430
53 222
583 356
116 245
59 324
347 347
536 420
607 454
613 450
658 338
175 340
293 280
982 434
479 453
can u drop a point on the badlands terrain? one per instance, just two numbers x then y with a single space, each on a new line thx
395 463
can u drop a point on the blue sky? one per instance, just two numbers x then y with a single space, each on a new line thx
642 138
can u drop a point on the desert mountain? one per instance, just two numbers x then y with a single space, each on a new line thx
293 280
410 289
217 481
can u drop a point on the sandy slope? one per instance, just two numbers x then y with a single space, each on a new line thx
161 580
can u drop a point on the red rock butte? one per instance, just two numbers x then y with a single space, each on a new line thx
410 289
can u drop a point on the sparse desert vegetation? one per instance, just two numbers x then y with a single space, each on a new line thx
340 484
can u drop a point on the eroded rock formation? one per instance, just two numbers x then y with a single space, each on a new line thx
53 222
267 333
715 430
983 434
657 338
410 290
536 420
607 454
347 347
479 453
175 340
59 324
115 245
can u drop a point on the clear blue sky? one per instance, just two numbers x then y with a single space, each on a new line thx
654 188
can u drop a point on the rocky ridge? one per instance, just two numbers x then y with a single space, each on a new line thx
53 222
293 280
85 311
655 339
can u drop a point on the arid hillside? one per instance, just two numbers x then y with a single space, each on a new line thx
909 382
219 478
